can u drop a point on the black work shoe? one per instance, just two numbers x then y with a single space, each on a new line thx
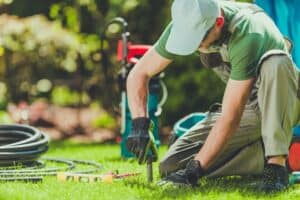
275 178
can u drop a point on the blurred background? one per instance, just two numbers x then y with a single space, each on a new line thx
53 73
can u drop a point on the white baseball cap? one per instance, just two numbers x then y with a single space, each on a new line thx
191 19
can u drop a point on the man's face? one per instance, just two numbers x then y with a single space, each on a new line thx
213 34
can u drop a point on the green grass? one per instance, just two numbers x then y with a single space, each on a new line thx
133 188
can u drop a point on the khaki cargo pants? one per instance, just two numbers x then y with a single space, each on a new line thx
264 131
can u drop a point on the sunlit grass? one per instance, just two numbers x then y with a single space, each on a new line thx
133 188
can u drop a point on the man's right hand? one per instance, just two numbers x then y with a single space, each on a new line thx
139 139
185 177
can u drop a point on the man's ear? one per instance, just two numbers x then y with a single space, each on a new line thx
220 21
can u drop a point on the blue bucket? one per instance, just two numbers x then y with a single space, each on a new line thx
297 131
184 124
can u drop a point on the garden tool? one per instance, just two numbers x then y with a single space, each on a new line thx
151 156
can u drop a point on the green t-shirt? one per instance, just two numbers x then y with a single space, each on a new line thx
254 34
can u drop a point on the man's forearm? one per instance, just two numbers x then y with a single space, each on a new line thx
216 140
228 122
138 79
137 93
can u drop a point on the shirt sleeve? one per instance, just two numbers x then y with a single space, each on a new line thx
244 54
160 45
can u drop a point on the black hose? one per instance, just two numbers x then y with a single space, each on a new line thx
20 148
21 144
38 171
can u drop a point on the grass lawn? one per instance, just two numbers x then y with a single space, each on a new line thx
133 188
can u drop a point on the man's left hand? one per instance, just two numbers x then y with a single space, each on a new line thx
138 141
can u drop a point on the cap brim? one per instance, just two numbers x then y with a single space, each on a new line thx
183 41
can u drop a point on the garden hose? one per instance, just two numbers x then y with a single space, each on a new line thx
20 148
21 144
36 171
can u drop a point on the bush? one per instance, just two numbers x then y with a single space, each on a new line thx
104 121
38 54
5 118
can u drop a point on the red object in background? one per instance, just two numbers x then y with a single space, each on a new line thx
294 156
118 139
133 51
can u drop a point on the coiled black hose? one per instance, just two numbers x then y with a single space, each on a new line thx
20 148
21 144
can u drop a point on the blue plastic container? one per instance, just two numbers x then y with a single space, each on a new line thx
184 124
297 131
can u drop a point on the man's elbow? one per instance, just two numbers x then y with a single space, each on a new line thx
136 77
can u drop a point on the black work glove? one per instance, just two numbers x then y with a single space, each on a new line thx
139 140
188 176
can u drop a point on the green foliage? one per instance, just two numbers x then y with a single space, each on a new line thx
104 121
42 43
250 1
3 93
80 15
72 21
5 118
63 96
5 2
36 51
